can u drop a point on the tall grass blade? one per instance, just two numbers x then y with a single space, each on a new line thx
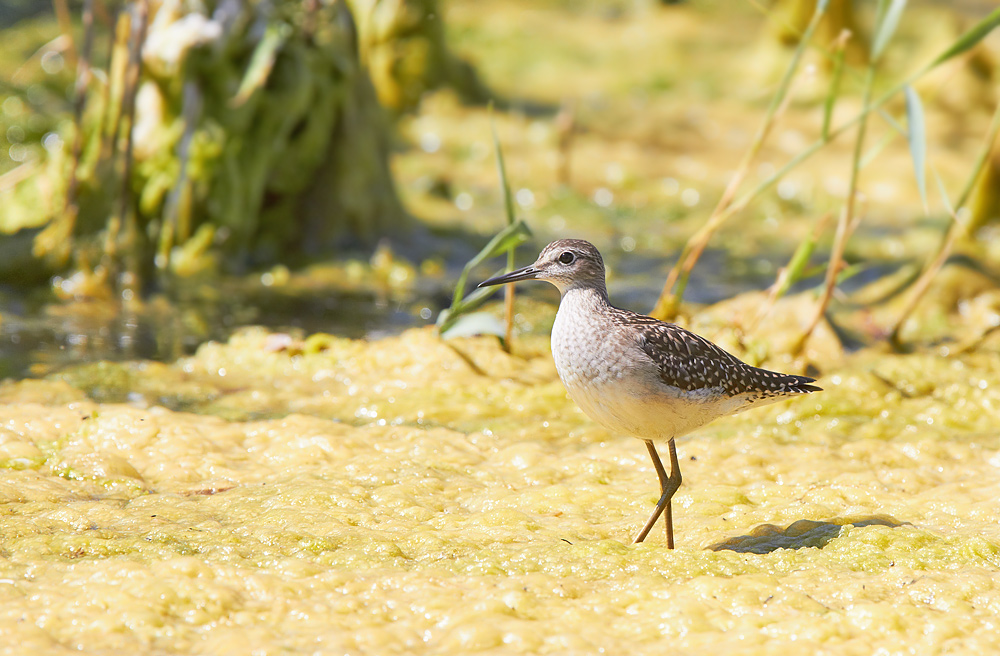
847 221
508 200
965 42
887 25
797 265
508 205
945 200
672 293
506 241
984 153
838 72
970 38
954 231
872 153
917 136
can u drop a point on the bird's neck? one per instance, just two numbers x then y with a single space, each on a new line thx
591 297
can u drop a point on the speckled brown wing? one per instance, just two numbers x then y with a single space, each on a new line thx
690 362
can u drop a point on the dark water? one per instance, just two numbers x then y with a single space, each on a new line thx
38 338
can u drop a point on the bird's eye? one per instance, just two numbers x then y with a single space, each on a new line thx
567 258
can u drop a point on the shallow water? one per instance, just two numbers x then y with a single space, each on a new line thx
39 335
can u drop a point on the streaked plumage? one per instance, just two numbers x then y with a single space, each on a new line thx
638 375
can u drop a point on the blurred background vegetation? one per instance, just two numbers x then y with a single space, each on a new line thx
172 169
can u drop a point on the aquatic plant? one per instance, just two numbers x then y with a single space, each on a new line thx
458 319
225 133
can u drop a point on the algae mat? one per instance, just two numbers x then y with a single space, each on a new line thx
412 496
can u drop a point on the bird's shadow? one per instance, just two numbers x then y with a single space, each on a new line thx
799 535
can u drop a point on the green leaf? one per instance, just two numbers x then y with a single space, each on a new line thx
797 265
984 153
887 27
831 96
262 61
893 123
510 237
970 38
945 200
450 315
507 239
916 135
872 153
508 201
470 302
849 272
477 323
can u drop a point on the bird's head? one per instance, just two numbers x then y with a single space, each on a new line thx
566 263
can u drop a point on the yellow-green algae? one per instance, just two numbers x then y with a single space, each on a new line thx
412 495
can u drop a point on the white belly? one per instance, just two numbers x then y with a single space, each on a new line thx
638 411
616 384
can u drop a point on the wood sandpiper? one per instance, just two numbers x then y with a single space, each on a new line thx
637 375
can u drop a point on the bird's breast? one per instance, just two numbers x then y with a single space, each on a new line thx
617 385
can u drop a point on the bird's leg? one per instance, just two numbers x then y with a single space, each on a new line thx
675 480
668 486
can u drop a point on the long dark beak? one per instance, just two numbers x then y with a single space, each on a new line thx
527 273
